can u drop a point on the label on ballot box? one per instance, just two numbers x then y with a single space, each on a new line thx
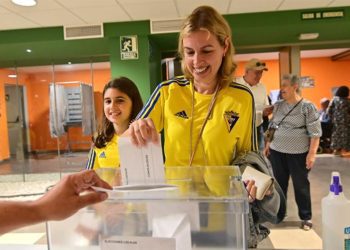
137 243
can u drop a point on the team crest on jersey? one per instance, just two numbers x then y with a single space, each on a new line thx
231 118
182 114
102 155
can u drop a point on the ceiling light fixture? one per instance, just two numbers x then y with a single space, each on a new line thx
308 36
29 50
12 76
26 3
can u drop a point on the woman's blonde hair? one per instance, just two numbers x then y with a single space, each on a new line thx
207 18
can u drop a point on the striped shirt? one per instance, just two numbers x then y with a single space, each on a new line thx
231 125
293 135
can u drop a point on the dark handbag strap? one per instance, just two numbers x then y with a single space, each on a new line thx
289 112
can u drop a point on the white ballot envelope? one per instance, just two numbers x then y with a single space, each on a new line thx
263 182
137 191
141 165
176 226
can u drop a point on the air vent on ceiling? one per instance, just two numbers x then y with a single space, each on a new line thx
82 32
166 26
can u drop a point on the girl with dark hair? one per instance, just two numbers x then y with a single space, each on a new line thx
121 103
339 113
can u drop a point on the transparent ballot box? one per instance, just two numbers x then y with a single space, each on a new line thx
197 208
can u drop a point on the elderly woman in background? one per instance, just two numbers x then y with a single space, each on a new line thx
292 150
339 112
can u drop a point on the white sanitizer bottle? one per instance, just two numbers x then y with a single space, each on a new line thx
335 217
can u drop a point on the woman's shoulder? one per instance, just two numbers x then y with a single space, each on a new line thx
114 138
240 89
178 81
308 106
176 84
307 103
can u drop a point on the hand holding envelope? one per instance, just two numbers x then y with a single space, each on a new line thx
263 182
141 165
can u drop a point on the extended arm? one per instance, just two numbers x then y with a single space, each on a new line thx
60 202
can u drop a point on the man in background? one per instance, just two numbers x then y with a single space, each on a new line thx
254 69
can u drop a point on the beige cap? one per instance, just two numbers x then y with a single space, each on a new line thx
256 64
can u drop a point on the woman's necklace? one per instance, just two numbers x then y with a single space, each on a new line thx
210 108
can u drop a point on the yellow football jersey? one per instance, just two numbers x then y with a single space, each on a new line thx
230 128
106 157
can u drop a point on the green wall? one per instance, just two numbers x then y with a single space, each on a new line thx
272 30
155 58
265 31
137 70
252 32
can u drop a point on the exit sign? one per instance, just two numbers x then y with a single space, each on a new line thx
322 14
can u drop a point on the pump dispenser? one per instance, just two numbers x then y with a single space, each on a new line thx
335 186
335 216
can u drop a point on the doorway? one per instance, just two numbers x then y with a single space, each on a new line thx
17 120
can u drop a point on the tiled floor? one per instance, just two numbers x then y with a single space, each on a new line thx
296 238
47 163
320 177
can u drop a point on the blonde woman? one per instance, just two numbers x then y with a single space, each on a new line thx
206 118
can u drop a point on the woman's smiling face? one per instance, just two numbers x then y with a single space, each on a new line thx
203 56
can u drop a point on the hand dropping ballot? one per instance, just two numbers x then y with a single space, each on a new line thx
142 172
141 165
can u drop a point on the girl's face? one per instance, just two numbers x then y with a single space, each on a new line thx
203 56
117 106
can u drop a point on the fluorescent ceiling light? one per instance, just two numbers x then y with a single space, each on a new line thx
12 76
26 3
308 36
